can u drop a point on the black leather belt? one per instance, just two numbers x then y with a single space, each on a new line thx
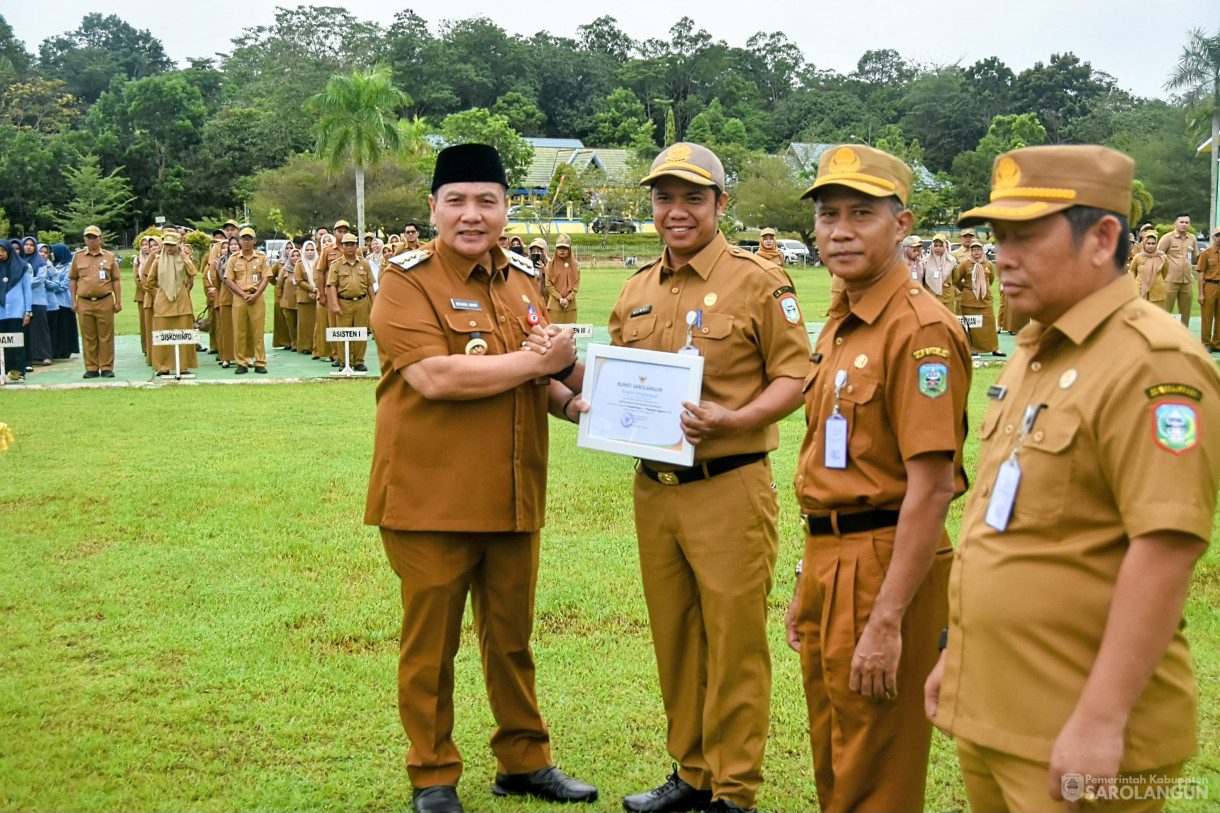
353 298
703 471
96 298
1211 282
840 524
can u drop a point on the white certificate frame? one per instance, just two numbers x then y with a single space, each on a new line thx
602 360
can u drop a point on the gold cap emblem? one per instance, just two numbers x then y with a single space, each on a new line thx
1007 174
678 153
844 161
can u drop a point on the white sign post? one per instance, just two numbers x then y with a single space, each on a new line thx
8 340
347 335
177 338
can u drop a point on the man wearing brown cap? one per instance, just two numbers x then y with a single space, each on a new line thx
708 534
938 272
885 405
450 321
962 252
912 254
1066 674
96 296
1180 248
767 248
247 276
326 256
350 296
562 283
1208 270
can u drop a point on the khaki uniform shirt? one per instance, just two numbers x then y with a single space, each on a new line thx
350 280
908 375
1119 451
471 466
1209 263
304 287
938 272
285 287
961 253
1149 273
774 256
162 305
752 333
1181 253
963 278
248 272
95 274
562 278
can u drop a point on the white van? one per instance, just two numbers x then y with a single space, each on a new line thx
274 249
794 251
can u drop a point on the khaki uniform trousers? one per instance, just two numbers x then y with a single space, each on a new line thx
213 326
280 337
290 322
948 298
1181 294
867 755
249 319
145 326
353 314
996 781
224 317
307 320
320 346
1209 331
436 571
707 555
97 332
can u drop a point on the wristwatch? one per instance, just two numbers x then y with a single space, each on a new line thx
799 566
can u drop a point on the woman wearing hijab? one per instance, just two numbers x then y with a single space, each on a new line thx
139 265
37 332
224 299
376 258
973 277
562 283
286 293
307 295
64 339
323 350
146 309
53 283
16 304
392 246
168 279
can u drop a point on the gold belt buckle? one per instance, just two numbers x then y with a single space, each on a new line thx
805 524
668 478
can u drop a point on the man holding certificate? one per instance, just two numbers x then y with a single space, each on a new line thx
885 402
707 533
458 485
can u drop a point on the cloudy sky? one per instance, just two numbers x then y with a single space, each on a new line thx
1133 41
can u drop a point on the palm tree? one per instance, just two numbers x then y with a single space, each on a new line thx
1198 74
1141 202
358 122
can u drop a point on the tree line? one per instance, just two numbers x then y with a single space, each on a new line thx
101 123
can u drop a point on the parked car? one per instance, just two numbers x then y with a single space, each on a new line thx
613 225
274 249
794 251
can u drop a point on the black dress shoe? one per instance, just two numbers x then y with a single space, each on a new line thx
675 795
999 353
335 363
107 373
548 783
241 370
360 368
91 374
437 799
262 370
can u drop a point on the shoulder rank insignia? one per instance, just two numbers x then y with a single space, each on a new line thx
408 260
520 263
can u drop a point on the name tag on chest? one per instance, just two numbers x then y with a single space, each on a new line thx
1003 495
101 274
466 304
836 442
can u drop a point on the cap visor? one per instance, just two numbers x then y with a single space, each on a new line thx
1014 209
869 189
678 173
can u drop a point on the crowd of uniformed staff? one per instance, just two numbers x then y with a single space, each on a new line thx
1049 642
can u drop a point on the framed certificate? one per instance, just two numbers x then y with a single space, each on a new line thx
635 402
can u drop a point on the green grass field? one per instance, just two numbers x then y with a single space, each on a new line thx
192 616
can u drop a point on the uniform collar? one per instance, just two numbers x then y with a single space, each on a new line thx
876 297
1085 316
465 266
703 262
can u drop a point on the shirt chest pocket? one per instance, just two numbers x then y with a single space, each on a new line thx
860 403
1047 459
714 341
462 327
638 329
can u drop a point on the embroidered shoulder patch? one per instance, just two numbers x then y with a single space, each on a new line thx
1174 389
792 311
1175 426
933 379
924 352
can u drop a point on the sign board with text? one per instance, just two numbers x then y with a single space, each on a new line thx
162 338
347 334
